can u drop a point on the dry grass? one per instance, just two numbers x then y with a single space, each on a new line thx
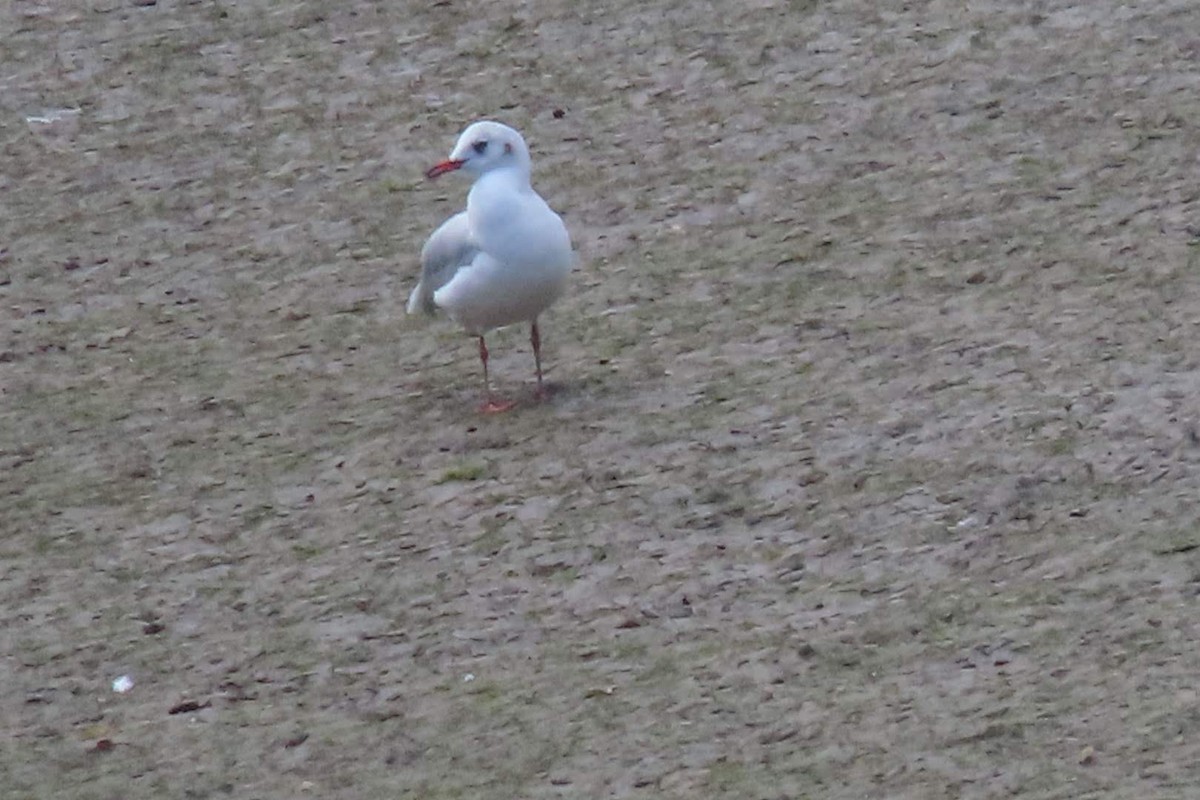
871 472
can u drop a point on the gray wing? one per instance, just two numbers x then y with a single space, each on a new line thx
448 249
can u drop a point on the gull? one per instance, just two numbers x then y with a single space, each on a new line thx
502 261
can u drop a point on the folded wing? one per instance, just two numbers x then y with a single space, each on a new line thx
449 249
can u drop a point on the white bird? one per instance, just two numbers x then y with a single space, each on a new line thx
506 258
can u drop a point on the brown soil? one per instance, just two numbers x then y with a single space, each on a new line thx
872 469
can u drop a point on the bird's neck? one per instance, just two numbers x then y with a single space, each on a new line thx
498 194
505 179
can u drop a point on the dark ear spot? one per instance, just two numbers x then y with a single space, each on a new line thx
508 148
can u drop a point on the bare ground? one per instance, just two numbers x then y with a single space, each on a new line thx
872 469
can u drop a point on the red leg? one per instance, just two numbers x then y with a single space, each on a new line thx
535 338
491 405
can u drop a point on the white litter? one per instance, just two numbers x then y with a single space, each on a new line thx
52 116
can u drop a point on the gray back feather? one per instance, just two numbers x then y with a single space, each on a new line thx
448 249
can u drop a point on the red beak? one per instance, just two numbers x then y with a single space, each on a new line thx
443 168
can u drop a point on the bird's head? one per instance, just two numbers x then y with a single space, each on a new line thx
485 146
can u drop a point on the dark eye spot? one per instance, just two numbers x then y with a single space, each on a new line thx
479 147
